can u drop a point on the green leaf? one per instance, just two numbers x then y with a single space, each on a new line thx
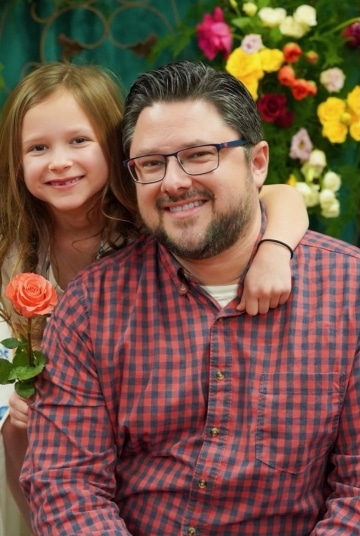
5 370
40 358
25 389
241 22
25 373
21 358
11 343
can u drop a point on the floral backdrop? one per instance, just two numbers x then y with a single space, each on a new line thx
301 63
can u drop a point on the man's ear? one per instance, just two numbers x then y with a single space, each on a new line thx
259 163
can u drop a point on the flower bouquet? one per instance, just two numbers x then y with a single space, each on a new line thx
31 295
301 63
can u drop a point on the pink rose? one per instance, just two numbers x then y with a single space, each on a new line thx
333 79
214 35
31 294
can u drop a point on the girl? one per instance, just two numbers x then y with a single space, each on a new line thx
62 206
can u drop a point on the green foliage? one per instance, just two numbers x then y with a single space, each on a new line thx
22 370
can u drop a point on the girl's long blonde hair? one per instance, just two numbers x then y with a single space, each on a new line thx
26 221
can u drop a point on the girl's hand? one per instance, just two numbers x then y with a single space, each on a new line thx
18 411
268 281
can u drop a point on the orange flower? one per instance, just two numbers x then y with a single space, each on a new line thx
292 52
312 56
31 295
312 87
286 75
303 88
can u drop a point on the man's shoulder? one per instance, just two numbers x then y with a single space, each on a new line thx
329 246
130 257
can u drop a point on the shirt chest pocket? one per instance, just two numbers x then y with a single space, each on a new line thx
297 418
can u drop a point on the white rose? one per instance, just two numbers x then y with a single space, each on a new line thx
310 194
330 206
272 17
305 15
332 211
326 197
291 28
317 160
249 9
331 181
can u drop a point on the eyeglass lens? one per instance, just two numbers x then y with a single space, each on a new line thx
194 161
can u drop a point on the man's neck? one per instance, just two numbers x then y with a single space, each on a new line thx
226 267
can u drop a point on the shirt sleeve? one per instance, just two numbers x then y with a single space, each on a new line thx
69 472
343 504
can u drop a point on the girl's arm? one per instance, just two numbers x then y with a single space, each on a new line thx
268 281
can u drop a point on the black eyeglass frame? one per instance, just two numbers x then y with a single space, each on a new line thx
241 142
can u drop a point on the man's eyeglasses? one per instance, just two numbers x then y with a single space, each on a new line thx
198 160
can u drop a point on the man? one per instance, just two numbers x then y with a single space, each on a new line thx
168 412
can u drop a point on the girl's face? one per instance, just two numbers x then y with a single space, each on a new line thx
63 162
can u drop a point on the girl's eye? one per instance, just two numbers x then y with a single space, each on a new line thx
38 148
79 140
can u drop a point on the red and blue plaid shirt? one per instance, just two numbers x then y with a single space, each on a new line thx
160 413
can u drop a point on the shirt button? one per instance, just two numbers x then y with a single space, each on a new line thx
220 375
214 431
191 531
202 483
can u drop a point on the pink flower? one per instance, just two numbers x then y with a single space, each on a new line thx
251 43
332 79
214 35
301 145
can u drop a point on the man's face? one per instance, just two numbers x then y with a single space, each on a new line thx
196 216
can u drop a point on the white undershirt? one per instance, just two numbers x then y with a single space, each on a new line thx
223 294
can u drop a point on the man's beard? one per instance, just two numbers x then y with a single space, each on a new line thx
222 233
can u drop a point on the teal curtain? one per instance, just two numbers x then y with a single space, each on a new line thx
117 34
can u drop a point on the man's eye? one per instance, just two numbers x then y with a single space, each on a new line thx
199 154
151 163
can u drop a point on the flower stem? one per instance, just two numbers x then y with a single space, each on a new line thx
30 350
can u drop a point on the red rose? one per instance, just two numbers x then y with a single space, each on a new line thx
31 295
285 120
271 106
214 35
352 34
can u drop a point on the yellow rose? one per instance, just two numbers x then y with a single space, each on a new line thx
331 110
246 68
335 131
252 85
353 100
354 128
271 59
291 180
